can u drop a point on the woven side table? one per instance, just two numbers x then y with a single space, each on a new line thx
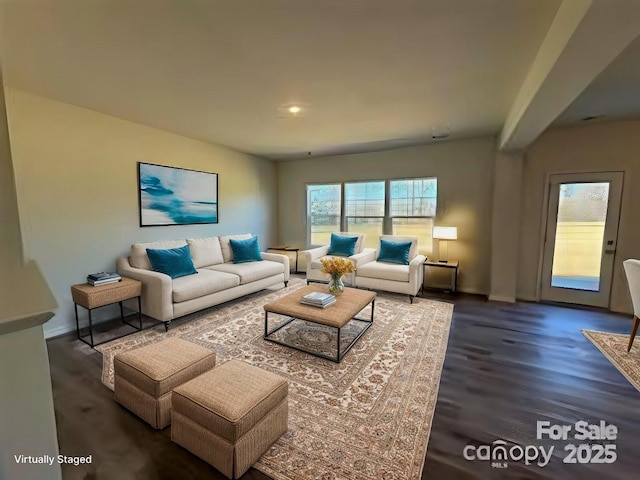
91 297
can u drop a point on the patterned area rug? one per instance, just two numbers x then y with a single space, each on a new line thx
614 347
367 417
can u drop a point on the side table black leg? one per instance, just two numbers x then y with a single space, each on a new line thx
75 305
455 280
90 328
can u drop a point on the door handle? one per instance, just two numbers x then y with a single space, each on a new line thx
612 247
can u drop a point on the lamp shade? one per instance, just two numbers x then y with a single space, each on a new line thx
445 233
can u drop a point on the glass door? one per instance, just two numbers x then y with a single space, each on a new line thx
581 237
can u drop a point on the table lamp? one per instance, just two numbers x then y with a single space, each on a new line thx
443 235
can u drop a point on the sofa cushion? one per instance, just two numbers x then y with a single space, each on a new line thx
139 259
250 271
342 246
205 251
227 253
175 262
394 252
245 250
205 283
386 271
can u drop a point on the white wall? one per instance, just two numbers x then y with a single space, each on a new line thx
606 146
27 420
76 179
505 235
464 170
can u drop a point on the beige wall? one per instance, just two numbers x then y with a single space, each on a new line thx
76 179
464 170
610 146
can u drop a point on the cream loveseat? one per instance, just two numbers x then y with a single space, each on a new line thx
218 279
375 274
371 271
314 255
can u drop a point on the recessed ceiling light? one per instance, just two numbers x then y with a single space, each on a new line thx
294 110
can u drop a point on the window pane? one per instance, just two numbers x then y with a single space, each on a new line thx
415 227
324 212
364 199
414 197
371 227
577 255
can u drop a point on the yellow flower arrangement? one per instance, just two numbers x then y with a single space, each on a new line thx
337 266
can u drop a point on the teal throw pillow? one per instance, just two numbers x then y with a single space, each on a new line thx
394 252
175 262
342 246
246 250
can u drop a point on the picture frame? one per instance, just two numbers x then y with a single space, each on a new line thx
176 196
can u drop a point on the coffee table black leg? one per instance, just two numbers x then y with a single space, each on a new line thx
338 356
140 312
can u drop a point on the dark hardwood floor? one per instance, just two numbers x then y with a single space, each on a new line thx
507 367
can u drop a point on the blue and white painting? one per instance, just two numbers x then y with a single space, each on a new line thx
176 196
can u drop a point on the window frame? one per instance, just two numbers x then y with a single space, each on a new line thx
387 219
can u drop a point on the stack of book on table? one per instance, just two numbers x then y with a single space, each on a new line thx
318 299
102 278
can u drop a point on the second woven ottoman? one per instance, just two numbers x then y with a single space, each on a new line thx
230 416
145 376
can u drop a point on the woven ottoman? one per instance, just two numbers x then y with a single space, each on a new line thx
144 377
230 416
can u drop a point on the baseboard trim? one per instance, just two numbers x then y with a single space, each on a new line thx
57 331
502 298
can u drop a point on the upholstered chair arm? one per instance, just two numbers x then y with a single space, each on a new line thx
277 257
367 255
157 290
314 254
416 272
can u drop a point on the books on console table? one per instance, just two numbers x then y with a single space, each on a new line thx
318 299
103 278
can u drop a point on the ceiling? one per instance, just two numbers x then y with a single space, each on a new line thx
374 74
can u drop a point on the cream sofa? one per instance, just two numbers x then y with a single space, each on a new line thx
218 279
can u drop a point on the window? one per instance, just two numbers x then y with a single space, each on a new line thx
324 211
413 208
393 207
364 210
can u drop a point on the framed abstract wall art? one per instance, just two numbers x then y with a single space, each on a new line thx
176 196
